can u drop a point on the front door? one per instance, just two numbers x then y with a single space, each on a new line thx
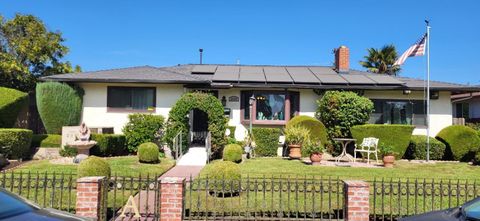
199 127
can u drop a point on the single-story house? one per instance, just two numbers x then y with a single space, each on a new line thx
467 106
281 92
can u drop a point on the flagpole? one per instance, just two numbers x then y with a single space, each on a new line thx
428 89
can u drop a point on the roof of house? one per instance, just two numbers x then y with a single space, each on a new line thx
222 75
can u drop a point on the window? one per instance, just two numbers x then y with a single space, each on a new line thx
410 112
131 98
462 110
270 107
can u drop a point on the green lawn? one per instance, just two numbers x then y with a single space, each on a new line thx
121 166
282 167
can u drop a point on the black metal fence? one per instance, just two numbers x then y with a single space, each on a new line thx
391 199
264 198
51 190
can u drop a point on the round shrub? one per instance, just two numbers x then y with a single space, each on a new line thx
461 141
93 166
11 103
233 153
224 177
15 143
142 128
417 150
148 153
317 131
59 105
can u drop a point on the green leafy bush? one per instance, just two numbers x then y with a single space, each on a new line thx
223 176
233 153
475 126
148 153
15 143
297 135
417 150
395 135
462 142
386 150
141 128
58 105
232 131
313 148
266 141
11 103
46 140
93 166
340 110
177 120
108 145
68 151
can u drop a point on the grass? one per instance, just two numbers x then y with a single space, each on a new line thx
121 166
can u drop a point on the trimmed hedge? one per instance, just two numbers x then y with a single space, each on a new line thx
15 143
58 105
142 128
108 145
148 153
93 166
462 142
11 103
417 150
395 135
46 140
317 131
233 153
266 141
224 176
217 122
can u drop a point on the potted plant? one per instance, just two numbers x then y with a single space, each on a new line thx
315 150
295 137
388 155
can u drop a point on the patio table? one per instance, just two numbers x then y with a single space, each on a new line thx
344 142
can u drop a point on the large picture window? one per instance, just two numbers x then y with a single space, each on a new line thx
270 107
131 98
411 112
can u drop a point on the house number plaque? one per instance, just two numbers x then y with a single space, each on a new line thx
233 99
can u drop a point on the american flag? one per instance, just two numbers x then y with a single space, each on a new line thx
417 49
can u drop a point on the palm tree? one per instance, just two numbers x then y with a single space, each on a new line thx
381 61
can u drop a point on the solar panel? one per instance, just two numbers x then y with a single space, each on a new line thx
322 70
331 79
302 75
277 74
384 79
206 69
252 74
226 73
357 79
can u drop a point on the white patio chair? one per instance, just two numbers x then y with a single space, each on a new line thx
368 146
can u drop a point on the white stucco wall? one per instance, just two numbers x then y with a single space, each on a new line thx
95 112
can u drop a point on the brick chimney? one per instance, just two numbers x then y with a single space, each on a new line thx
342 59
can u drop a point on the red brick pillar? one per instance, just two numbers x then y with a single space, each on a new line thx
356 200
171 198
89 196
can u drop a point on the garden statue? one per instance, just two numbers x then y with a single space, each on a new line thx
82 144
84 132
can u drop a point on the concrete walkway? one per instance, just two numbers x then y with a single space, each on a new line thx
183 171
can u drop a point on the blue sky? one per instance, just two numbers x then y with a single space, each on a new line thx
113 34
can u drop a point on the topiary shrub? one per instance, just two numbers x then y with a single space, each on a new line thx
109 145
340 110
148 153
141 128
417 149
93 166
46 140
15 143
178 120
58 105
233 153
395 135
266 141
224 178
11 103
462 142
68 151
317 131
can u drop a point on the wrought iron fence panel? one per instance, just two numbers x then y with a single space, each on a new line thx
288 198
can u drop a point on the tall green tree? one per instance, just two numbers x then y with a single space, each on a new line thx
28 51
381 60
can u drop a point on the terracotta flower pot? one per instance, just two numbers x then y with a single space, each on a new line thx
316 158
295 151
388 161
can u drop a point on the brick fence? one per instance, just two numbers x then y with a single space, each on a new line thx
172 194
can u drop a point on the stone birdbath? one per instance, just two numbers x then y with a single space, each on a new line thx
83 144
